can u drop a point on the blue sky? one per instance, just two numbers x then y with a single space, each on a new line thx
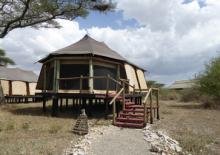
111 19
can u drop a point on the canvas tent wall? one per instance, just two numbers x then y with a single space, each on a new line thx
15 81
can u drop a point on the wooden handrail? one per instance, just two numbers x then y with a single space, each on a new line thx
146 97
126 82
114 98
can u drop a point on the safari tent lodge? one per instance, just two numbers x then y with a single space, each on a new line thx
17 84
89 71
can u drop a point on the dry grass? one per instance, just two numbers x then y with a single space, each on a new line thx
197 129
25 130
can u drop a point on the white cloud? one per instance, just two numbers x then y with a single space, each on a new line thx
174 43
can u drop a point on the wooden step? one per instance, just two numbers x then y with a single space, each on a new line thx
131 115
134 110
130 120
135 107
129 125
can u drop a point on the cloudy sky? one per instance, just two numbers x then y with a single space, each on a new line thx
171 39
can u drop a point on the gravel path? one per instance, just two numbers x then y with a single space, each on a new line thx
120 141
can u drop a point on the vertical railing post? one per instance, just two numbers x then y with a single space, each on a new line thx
113 108
151 116
158 113
123 95
145 114
80 83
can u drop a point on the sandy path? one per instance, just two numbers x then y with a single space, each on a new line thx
120 141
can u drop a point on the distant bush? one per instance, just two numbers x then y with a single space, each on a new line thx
191 94
167 94
54 128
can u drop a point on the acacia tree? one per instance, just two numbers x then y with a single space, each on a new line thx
4 60
41 13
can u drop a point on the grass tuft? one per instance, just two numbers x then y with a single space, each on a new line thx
25 126
10 126
54 128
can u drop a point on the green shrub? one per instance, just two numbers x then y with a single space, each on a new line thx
54 128
209 80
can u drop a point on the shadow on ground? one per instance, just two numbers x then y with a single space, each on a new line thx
95 111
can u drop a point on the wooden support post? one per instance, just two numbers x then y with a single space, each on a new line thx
145 114
91 75
55 106
66 102
27 88
44 104
61 104
10 87
80 83
113 109
158 106
57 75
106 108
151 112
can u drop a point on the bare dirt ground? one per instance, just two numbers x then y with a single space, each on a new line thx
197 129
25 130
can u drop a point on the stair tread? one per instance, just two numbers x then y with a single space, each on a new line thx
132 115
133 110
131 125
130 119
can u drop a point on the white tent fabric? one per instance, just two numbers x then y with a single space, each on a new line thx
141 79
5 87
19 88
32 87
131 76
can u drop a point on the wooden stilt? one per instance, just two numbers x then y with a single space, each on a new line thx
61 104
44 104
55 107
66 102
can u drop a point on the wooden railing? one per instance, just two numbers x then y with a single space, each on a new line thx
150 107
119 83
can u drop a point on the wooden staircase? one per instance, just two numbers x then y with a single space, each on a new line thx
132 116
